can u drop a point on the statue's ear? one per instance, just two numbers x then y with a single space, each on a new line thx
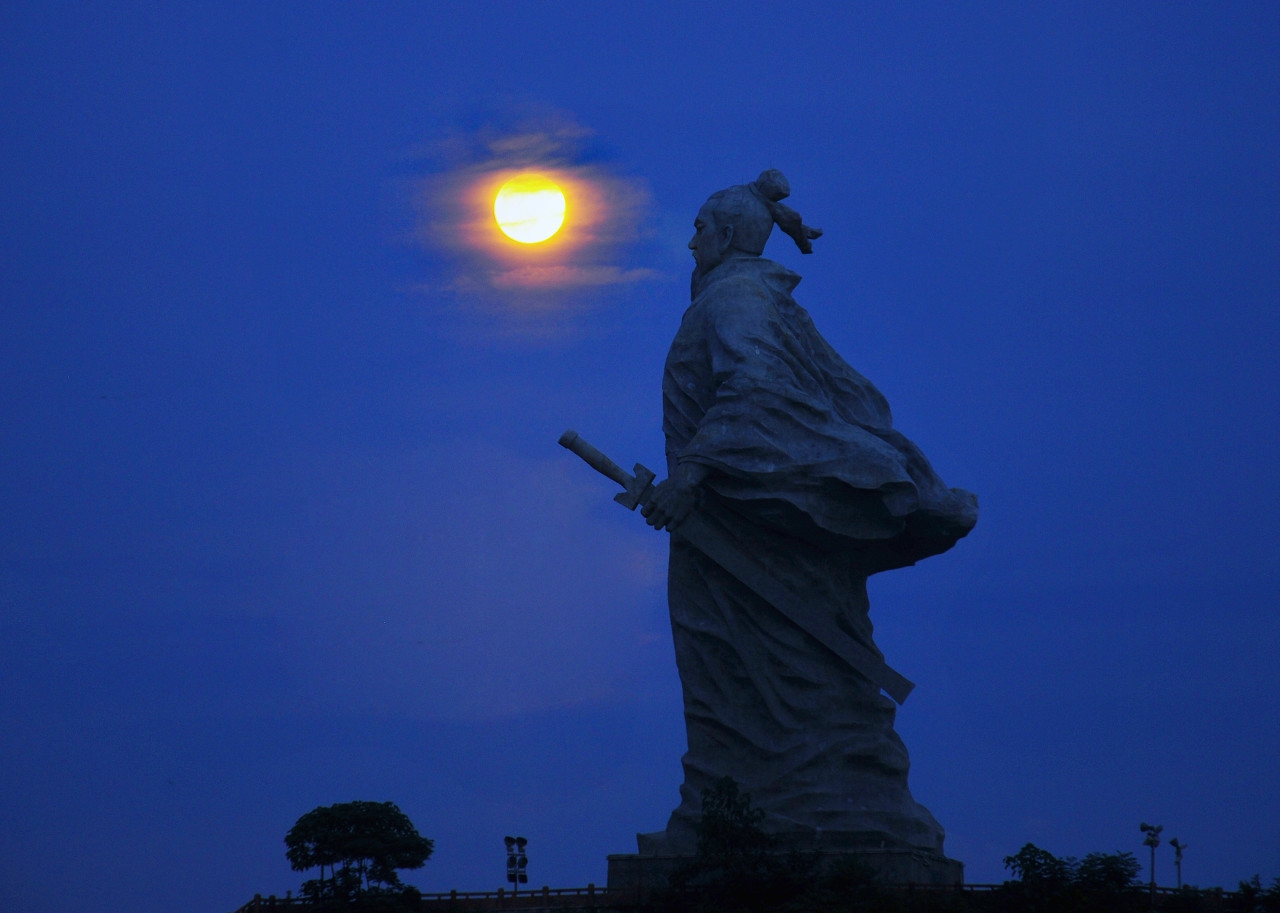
725 236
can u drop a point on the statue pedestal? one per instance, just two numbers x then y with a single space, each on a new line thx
640 875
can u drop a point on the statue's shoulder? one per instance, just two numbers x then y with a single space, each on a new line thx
736 289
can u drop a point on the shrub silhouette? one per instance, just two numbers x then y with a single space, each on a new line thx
362 844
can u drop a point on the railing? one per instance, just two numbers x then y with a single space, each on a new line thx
596 896
502 893
501 898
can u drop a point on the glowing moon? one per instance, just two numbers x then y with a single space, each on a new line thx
529 208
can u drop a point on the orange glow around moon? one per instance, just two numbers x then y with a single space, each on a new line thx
529 208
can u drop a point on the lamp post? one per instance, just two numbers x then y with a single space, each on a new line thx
1177 858
1152 840
517 861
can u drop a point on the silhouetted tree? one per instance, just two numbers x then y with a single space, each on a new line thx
1257 899
1032 865
1044 882
729 834
1109 881
1107 872
1101 882
736 866
361 843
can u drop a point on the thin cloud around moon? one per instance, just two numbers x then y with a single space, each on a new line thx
569 276
604 223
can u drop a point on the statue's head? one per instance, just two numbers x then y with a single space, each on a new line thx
737 221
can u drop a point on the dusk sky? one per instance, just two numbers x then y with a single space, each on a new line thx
284 522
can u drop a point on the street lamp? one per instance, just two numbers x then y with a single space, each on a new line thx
517 861
1177 858
1152 840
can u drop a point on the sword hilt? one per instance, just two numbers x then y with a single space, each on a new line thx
573 441
637 486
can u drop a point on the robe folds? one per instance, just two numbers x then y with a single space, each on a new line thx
810 478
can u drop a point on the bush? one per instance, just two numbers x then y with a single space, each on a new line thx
362 844
1102 882
736 866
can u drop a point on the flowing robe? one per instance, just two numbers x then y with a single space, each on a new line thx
809 477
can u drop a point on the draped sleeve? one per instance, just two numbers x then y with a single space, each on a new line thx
753 392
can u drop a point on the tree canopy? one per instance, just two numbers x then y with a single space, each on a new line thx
1100 881
362 844
729 834
737 866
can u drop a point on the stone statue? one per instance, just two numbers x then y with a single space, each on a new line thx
791 454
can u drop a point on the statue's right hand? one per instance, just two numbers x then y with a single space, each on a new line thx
669 504
674 498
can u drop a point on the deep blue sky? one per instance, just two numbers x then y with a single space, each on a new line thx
285 524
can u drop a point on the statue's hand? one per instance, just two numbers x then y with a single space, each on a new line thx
674 498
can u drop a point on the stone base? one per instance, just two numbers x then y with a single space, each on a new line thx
638 875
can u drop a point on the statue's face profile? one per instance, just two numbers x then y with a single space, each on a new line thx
711 240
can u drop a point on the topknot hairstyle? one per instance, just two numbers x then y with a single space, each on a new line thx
771 188
754 208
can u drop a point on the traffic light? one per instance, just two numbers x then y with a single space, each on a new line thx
517 861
